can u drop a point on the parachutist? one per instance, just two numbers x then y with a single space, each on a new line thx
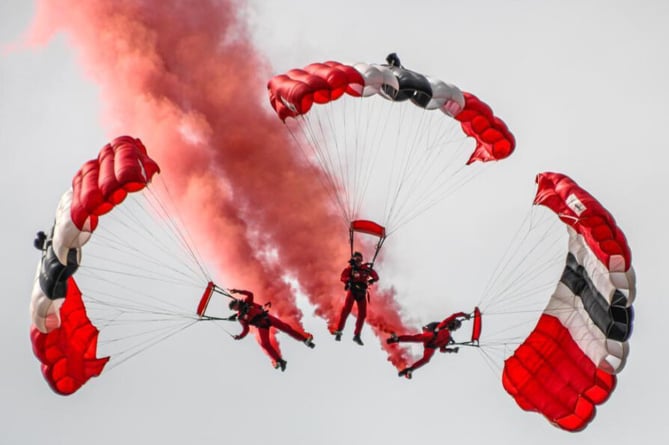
435 335
357 278
250 313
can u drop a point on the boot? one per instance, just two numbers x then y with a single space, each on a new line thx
358 340
310 341
406 372
281 363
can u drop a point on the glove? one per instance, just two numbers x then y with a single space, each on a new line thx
237 337
347 286
370 282
392 339
468 316
232 317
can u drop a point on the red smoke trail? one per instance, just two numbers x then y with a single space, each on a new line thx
189 83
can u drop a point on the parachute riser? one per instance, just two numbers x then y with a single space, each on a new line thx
206 297
472 343
379 232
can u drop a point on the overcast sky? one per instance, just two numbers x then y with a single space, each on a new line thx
582 85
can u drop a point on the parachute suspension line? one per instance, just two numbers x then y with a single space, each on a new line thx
448 176
159 337
320 154
401 165
119 267
139 255
326 180
520 266
221 291
367 149
494 356
515 294
137 218
137 272
180 229
428 172
130 298
128 218
453 174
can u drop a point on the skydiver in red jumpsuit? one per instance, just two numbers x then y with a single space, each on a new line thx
357 277
252 314
435 335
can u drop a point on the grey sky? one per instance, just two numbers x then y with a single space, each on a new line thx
582 85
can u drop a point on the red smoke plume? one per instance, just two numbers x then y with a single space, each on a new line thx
189 83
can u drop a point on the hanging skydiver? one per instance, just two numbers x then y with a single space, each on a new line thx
435 335
357 277
250 313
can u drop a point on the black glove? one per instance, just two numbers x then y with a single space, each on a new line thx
232 317
347 286
468 316
237 337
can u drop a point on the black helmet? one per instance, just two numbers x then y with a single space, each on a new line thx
234 304
454 324
355 259
430 326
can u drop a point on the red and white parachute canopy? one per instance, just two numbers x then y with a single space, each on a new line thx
140 280
568 363
392 142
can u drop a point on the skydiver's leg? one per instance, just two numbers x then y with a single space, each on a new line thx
427 355
267 344
413 338
345 311
285 327
362 313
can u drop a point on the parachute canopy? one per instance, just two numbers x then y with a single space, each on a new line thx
387 131
63 338
568 363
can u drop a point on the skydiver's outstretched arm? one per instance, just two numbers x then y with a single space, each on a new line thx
446 321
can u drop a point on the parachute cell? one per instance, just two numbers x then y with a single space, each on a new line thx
68 353
568 363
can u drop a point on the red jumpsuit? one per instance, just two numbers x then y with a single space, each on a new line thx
439 338
252 314
357 279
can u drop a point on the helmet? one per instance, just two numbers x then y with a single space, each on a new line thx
356 258
430 326
454 324
234 304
